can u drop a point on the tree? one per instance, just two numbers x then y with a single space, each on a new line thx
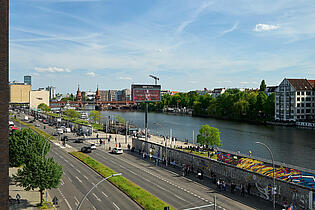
43 107
23 143
95 116
262 86
39 173
209 136
72 114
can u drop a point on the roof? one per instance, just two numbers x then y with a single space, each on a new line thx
271 88
301 84
312 82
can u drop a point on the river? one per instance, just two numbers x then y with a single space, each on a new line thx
295 146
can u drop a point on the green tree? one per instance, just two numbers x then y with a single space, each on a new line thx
73 114
209 136
39 173
262 86
269 107
95 116
43 107
23 143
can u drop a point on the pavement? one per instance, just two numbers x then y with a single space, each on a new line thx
28 199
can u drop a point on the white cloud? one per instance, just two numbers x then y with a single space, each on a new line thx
91 74
51 69
230 29
125 78
265 27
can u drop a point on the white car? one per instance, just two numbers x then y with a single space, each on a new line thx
11 123
60 131
93 146
117 151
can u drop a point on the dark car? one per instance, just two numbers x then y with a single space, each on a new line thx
86 149
79 140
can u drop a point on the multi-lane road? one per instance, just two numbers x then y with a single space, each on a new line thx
165 183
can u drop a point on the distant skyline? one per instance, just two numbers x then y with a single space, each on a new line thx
188 44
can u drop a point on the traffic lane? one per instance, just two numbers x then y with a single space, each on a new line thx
183 198
103 191
161 190
190 185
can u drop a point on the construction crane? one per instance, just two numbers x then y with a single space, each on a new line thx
155 78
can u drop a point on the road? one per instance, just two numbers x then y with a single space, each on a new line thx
78 179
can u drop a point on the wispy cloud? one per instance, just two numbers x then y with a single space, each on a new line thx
193 17
234 27
51 69
125 78
91 74
265 27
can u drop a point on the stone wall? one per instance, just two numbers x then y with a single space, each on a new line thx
261 184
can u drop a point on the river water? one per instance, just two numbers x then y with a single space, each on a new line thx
295 146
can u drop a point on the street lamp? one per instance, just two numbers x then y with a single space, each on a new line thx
94 187
273 173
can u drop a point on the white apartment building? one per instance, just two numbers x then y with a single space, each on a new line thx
295 100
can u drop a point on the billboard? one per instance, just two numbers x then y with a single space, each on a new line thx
145 93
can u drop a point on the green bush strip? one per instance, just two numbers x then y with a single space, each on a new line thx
37 130
141 196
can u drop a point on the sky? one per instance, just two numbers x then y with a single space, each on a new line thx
188 44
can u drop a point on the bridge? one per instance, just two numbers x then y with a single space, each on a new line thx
94 105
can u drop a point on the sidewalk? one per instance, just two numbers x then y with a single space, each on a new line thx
28 199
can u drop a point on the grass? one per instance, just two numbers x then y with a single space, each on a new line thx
37 130
45 205
141 196
202 154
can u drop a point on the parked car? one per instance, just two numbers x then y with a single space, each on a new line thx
11 123
86 149
60 131
79 140
37 125
117 151
93 146
55 134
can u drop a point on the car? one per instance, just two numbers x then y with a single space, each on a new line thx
93 146
60 131
86 149
55 134
79 140
37 125
11 123
117 151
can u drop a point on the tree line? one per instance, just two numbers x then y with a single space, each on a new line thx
232 104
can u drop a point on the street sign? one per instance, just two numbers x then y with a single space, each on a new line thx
146 93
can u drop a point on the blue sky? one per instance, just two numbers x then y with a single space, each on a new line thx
189 44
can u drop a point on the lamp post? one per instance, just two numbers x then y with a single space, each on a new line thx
273 173
165 142
94 187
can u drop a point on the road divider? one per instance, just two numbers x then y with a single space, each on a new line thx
141 196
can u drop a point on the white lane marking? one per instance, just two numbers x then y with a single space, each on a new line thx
78 170
76 201
93 183
71 165
199 207
104 194
97 198
179 197
78 179
62 182
66 161
85 177
65 199
94 207
116 205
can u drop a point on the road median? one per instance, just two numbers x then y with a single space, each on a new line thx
139 195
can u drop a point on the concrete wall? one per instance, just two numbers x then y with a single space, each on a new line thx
261 184
37 97
20 93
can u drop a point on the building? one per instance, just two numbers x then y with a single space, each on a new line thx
104 95
52 92
112 95
79 95
19 93
28 80
97 95
295 100
217 91
37 97
90 95
270 89
123 95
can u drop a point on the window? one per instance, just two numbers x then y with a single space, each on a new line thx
302 99
298 98
302 93
298 93
308 93
298 117
298 111
298 105
308 99
302 111
308 104
302 105
308 111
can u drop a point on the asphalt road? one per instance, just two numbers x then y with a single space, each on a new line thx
78 179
